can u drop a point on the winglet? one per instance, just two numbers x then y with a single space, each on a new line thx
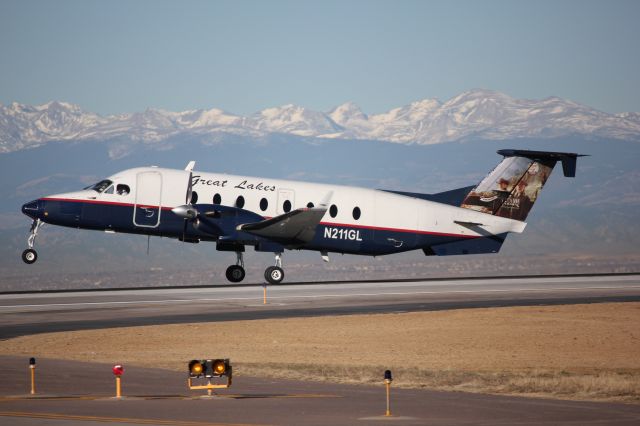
190 166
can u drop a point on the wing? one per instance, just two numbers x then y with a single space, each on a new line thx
297 226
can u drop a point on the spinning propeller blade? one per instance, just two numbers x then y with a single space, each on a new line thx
189 188
189 195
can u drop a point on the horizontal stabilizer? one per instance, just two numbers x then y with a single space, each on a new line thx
568 159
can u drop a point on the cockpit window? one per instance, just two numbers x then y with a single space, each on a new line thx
100 186
109 190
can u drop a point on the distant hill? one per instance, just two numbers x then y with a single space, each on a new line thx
477 114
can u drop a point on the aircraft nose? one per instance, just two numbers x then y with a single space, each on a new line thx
31 209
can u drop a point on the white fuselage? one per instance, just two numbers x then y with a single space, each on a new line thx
359 220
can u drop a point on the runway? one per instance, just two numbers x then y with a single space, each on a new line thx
31 313
81 393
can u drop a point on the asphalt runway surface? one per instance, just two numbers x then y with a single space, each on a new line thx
72 393
31 313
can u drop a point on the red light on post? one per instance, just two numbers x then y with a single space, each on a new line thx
118 370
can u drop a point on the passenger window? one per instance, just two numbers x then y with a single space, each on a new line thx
264 204
194 197
333 210
310 205
286 206
356 213
240 202
123 189
217 199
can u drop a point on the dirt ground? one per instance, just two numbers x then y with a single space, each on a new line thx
576 351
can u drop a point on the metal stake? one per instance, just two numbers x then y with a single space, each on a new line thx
118 387
387 381
33 379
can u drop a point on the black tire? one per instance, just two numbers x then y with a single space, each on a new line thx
235 273
29 256
274 275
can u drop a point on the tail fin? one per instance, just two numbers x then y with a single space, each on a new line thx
513 186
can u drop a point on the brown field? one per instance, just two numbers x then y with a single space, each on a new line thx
577 351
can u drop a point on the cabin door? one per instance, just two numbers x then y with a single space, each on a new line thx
147 209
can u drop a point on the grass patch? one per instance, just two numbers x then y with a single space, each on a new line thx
601 385
572 352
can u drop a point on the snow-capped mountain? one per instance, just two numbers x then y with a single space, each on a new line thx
294 120
488 115
481 114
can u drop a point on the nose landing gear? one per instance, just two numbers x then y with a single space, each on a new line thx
30 256
235 273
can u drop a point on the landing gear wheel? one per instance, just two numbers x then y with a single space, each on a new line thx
235 273
274 275
29 256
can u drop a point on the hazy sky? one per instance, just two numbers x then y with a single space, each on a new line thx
242 56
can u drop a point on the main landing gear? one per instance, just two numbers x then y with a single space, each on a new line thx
235 273
30 256
273 274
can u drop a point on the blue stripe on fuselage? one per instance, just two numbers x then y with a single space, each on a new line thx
108 216
353 239
332 237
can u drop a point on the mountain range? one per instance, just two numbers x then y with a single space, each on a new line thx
476 114
58 147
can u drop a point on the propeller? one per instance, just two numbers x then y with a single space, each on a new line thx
189 188
187 211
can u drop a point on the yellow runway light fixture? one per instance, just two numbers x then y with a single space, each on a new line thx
209 369
219 367
196 368
387 381
32 367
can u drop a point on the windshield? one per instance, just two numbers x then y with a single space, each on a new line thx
100 186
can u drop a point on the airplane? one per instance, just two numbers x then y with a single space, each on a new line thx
273 215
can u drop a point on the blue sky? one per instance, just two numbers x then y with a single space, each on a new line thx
243 56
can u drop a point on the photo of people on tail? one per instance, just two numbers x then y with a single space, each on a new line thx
510 189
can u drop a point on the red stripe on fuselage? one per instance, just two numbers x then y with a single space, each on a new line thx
344 225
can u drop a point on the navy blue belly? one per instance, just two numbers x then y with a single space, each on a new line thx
339 238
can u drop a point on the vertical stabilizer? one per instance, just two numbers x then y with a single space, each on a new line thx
511 189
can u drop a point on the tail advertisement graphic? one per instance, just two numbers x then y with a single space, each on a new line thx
510 189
